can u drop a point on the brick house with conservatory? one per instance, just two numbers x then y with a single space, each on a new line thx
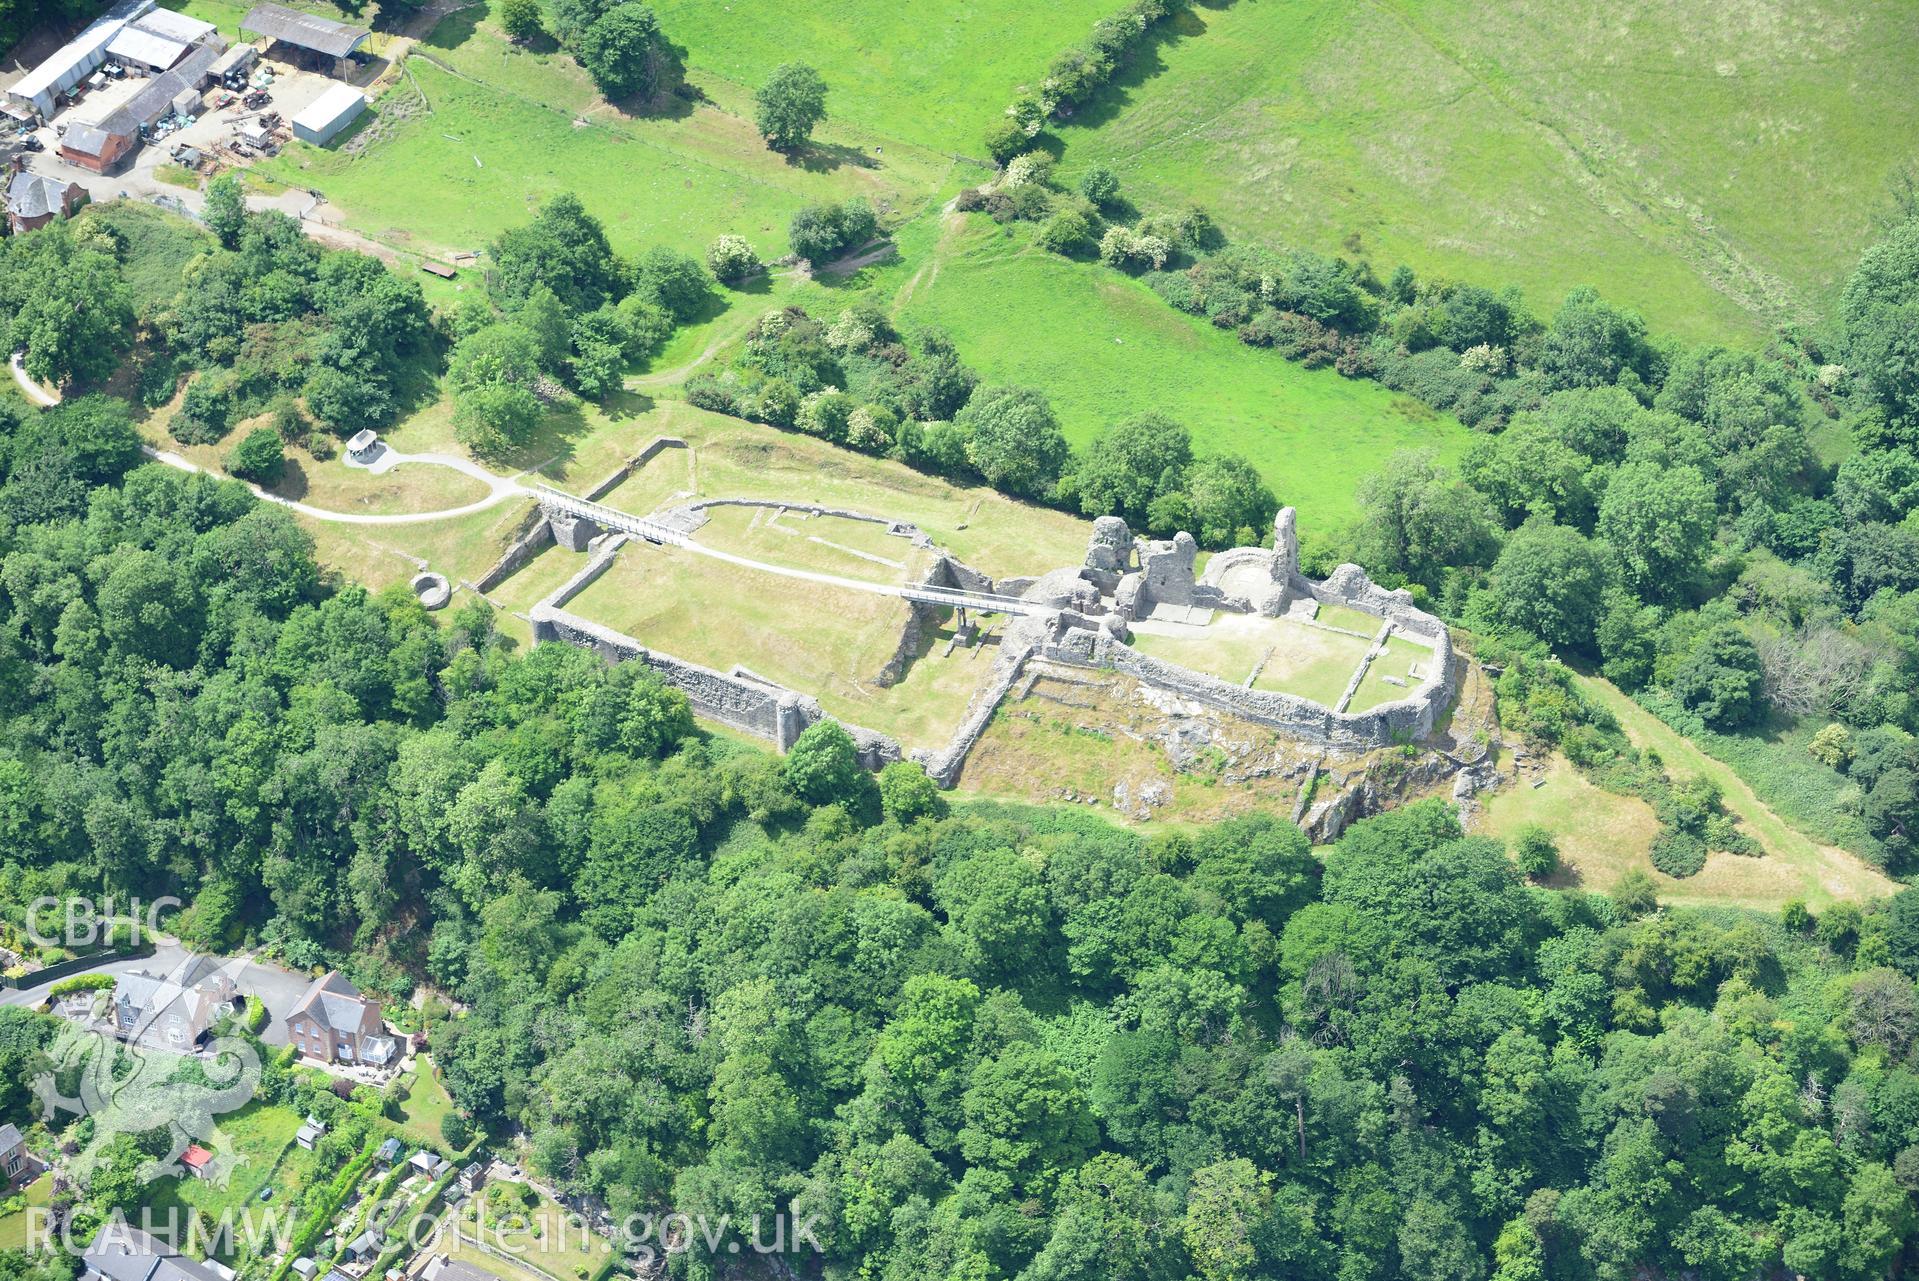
334 1023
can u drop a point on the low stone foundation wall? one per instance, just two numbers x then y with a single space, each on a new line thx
903 529
1403 721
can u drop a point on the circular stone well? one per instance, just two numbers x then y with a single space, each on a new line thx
432 589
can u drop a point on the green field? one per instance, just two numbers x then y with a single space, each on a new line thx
1715 165
935 75
477 133
1102 346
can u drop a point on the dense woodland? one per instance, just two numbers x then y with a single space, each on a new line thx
979 1041
989 1043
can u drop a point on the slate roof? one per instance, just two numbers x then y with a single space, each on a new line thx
9 1137
124 1253
90 139
308 31
333 1003
31 195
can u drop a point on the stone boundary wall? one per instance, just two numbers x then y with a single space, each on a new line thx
535 536
1349 585
740 699
536 533
632 465
1020 642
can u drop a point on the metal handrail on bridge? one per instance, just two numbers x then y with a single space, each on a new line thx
612 517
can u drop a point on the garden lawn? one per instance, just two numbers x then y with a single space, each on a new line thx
545 1241
13 1227
426 1105
1718 166
260 1132
1102 346
936 75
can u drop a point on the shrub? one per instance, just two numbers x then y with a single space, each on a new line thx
1005 140
203 417
260 456
674 281
1032 169
520 19
1678 854
821 233
1634 894
80 983
456 1130
1070 232
1534 852
731 260
1129 250
1099 185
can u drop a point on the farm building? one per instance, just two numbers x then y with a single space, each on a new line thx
175 93
100 146
233 66
157 40
305 39
74 61
329 113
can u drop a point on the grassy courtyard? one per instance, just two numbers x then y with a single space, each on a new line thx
1289 656
1402 659
825 641
1677 156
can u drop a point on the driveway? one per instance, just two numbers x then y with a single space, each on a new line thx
279 990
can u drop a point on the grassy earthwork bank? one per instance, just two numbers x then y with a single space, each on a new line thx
1602 834
1681 157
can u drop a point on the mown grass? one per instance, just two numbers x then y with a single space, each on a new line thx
260 1132
936 75
425 1106
733 459
827 641
1103 346
1715 165
1396 660
14 1227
